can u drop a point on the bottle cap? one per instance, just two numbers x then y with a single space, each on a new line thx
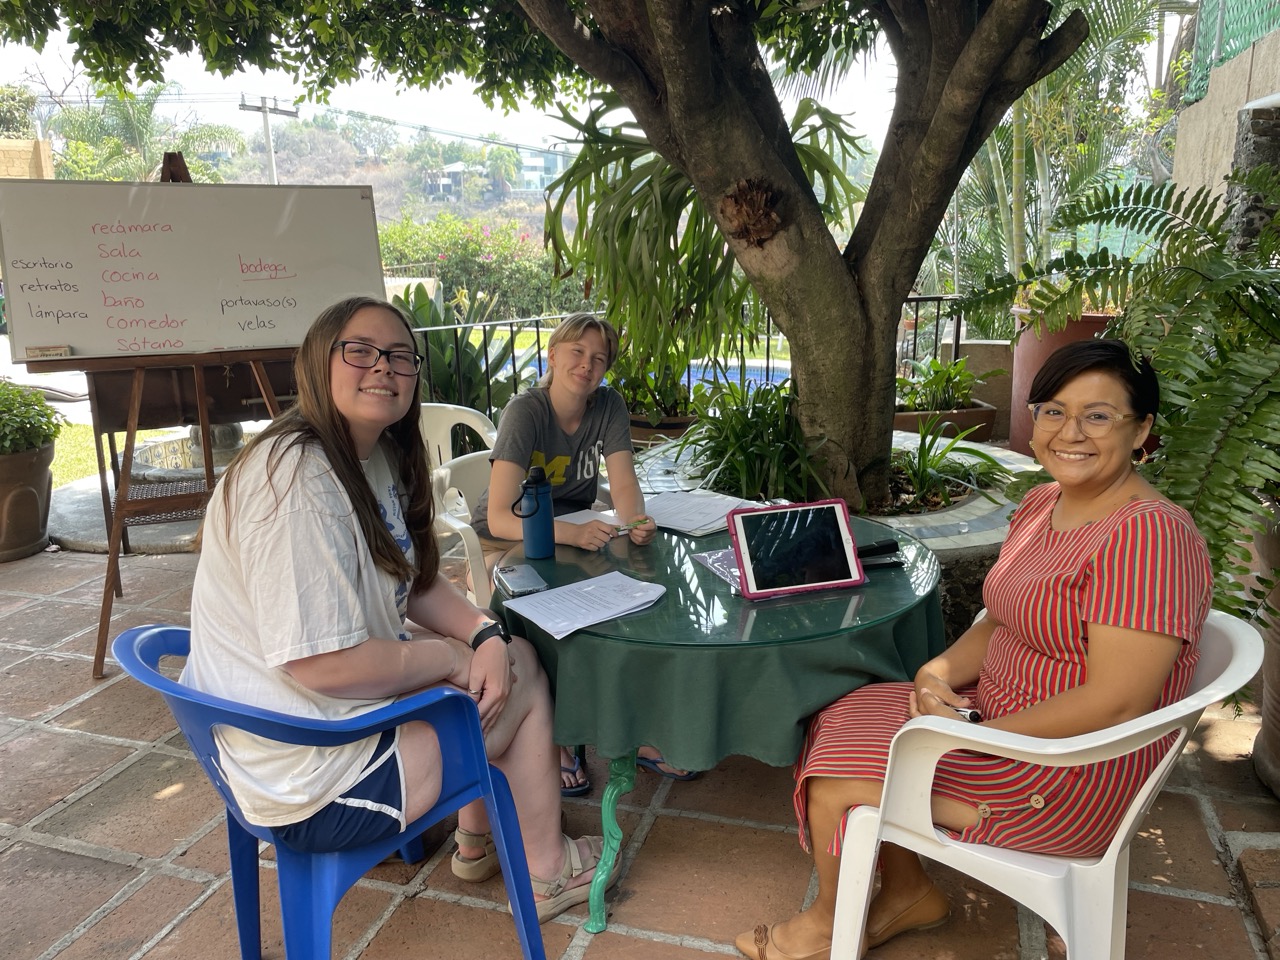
537 475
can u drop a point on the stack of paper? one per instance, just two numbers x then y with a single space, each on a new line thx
695 512
562 610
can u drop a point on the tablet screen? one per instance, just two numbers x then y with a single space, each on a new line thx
792 548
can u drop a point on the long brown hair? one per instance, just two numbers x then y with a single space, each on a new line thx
313 418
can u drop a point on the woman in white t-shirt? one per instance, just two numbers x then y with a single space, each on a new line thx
318 594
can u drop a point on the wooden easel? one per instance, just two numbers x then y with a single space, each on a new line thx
185 377
149 503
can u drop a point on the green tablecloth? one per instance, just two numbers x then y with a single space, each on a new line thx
703 674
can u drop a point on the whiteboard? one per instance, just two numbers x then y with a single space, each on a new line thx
121 269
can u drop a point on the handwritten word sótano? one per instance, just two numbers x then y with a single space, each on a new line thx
123 250
255 302
128 276
140 344
262 270
42 264
121 227
149 323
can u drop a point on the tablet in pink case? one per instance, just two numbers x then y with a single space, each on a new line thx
794 547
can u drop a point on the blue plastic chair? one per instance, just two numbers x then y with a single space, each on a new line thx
311 884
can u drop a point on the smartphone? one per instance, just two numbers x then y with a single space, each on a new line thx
518 580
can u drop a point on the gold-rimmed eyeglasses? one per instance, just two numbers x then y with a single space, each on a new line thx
1050 417
357 353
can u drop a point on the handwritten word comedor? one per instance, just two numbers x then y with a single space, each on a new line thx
121 227
149 323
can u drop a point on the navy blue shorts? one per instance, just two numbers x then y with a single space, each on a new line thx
372 809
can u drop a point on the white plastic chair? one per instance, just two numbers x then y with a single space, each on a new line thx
1085 899
437 420
457 486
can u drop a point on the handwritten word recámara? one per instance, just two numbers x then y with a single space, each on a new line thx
121 227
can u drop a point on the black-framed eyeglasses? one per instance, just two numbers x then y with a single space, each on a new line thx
357 353
1050 418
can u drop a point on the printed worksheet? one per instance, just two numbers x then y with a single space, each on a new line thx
562 610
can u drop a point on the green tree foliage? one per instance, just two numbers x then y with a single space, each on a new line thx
16 106
501 260
694 76
125 137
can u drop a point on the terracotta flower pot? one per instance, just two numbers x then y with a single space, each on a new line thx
980 415
1029 354
645 433
26 486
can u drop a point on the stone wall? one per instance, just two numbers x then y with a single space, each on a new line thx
1207 129
26 160
984 355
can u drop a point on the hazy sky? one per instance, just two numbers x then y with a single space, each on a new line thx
450 110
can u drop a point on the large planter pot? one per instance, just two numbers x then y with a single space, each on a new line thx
26 487
646 433
980 415
1029 354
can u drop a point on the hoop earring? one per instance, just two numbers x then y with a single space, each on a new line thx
1141 460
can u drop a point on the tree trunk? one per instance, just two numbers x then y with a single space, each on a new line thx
695 79
1018 174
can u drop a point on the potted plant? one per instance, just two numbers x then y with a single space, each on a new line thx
944 391
28 426
655 388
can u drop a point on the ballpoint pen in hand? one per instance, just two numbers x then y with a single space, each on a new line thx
631 526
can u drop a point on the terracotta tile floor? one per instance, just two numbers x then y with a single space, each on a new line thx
111 841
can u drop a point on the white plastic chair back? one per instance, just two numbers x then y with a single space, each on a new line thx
457 487
437 420
1085 899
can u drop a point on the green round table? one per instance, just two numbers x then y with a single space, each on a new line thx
704 674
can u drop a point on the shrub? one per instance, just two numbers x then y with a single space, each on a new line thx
27 421
502 259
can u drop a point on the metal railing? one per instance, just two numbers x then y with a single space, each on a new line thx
927 330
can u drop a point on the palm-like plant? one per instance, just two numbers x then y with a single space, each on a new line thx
125 138
1205 308
644 244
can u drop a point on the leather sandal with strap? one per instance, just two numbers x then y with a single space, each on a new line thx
558 897
479 869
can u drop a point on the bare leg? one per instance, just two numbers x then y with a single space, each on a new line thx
902 878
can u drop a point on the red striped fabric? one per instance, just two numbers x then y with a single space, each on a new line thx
1145 568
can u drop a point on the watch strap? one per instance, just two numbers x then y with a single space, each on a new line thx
494 628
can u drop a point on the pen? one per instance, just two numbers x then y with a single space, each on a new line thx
632 525
968 713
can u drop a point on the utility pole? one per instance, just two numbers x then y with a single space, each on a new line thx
266 129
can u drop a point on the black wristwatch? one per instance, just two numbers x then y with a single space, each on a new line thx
494 628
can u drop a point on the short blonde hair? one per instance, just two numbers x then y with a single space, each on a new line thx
572 329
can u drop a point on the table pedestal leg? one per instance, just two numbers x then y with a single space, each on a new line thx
622 779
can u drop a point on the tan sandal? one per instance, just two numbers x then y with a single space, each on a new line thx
481 868
558 898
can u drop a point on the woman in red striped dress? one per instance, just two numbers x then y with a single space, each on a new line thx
1094 612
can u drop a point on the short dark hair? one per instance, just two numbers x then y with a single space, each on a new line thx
1109 356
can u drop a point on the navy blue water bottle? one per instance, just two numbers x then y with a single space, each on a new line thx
535 511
